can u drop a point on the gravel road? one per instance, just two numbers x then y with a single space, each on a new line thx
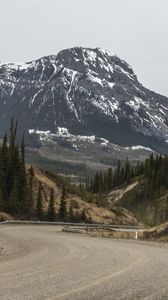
40 262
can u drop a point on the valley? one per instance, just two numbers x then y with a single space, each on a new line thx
83 150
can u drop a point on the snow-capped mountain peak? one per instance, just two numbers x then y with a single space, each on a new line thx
91 92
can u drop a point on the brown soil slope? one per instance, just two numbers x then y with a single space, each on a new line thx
93 213
159 233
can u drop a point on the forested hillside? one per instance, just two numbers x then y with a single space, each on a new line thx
148 198
143 189
27 192
17 181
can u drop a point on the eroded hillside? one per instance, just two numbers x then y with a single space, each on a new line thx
92 212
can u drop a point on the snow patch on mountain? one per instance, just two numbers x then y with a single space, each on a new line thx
91 55
136 103
15 66
110 84
95 79
63 133
138 148
104 142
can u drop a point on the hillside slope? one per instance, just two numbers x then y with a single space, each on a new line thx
93 213
153 211
159 233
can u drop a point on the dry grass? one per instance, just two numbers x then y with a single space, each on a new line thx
159 233
5 216
111 234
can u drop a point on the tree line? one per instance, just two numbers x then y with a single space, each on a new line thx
64 213
151 193
154 169
106 181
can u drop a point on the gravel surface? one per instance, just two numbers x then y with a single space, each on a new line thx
40 262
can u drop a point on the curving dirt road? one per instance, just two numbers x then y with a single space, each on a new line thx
39 262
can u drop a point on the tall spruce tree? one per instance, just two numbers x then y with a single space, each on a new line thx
109 179
14 204
127 174
22 149
71 213
63 205
96 183
31 178
39 204
51 208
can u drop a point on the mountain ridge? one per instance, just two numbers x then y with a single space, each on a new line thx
88 92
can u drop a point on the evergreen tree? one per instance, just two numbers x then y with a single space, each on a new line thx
109 179
31 178
25 198
83 216
63 205
23 150
4 154
1 200
127 174
39 207
51 208
118 179
14 205
105 182
101 183
96 183
3 203
71 213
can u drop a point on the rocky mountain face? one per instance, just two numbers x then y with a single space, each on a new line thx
83 92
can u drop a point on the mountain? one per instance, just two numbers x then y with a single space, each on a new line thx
83 94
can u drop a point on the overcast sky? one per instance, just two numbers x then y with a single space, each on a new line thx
135 30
